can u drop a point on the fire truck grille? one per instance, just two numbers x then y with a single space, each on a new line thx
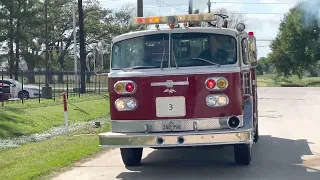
171 125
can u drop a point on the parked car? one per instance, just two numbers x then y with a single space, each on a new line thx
4 92
28 91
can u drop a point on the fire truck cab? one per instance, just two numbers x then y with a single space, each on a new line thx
181 86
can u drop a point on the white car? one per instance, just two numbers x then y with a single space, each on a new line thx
28 91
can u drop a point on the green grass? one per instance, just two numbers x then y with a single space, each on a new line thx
272 80
18 119
41 159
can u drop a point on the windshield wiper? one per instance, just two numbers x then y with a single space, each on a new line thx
119 69
205 60
141 67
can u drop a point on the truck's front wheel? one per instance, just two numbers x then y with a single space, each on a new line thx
131 156
242 154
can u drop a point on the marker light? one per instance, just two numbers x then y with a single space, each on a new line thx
250 34
210 84
176 19
126 104
125 87
241 27
217 100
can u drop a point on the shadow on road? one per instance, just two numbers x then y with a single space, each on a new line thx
273 158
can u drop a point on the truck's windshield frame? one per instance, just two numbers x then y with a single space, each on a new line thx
186 50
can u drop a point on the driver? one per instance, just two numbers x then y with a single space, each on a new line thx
214 52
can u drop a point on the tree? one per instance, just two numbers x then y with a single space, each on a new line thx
234 18
296 47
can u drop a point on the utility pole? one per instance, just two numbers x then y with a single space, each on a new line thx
209 6
75 58
46 31
190 6
140 8
46 90
82 49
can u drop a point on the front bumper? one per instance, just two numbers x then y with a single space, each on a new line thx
177 139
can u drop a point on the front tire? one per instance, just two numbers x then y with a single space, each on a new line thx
131 156
256 134
242 154
24 94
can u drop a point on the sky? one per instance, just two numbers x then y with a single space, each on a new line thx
263 19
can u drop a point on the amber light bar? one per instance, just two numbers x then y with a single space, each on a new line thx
178 19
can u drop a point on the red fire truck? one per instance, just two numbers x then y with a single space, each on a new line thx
183 84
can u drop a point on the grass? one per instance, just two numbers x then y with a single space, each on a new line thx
40 159
18 119
272 80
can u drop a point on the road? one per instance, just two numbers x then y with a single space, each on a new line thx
288 148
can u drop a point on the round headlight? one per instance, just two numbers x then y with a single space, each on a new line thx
120 104
211 100
223 100
241 27
131 104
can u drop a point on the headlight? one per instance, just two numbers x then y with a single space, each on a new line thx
217 100
211 100
126 104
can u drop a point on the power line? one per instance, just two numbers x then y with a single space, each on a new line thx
171 6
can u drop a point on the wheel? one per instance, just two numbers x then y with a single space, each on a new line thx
256 133
242 154
131 156
24 94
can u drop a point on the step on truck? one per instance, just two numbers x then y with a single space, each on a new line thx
184 82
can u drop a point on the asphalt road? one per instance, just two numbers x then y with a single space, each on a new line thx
288 148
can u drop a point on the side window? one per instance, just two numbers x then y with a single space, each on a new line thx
245 51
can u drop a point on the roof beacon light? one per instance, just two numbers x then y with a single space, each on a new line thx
174 19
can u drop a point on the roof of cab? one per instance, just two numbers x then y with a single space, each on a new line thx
226 31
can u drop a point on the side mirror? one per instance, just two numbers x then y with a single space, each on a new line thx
253 52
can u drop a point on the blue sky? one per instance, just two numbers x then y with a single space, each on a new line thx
265 26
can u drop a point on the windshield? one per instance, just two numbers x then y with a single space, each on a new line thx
188 49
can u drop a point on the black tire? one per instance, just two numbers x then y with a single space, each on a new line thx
256 134
131 156
242 154
24 94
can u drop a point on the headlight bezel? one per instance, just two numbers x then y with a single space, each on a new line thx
125 100
217 97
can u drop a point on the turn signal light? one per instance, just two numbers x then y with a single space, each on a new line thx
222 83
125 87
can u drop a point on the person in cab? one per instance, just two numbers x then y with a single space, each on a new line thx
214 52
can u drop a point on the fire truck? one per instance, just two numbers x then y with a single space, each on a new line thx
186 82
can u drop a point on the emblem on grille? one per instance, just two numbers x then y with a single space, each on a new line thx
170 91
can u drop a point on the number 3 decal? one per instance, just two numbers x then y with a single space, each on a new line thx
170 107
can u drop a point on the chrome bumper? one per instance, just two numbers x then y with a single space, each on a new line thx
179 139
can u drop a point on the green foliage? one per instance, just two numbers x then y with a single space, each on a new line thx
296 47
24 22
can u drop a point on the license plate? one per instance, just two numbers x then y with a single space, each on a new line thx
171 125
170 106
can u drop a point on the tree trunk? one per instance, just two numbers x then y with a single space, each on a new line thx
11 39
